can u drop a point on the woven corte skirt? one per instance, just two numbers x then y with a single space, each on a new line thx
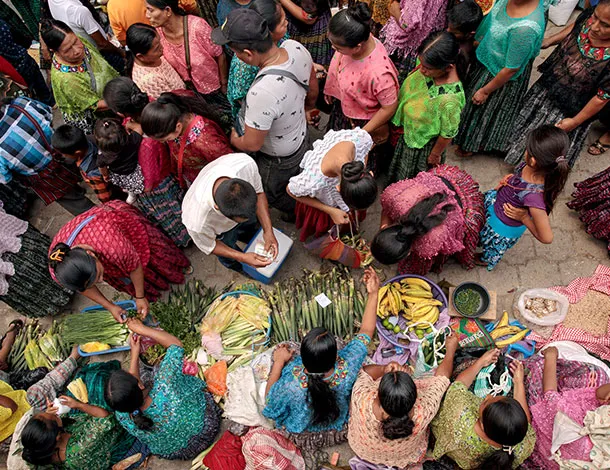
486 128
407 162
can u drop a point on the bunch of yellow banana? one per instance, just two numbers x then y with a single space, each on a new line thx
79 390
510 333
412 297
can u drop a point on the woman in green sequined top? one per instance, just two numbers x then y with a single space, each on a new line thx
429 106
494 432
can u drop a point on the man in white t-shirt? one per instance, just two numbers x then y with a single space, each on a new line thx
275 120
226 203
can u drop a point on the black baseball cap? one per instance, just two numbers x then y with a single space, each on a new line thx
242 25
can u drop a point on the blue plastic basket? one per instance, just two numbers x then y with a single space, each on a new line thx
127 305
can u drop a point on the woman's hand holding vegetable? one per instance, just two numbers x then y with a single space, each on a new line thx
117 312
135 341
142 307
165 339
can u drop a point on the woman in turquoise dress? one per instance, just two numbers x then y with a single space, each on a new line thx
310 394
509 39
178 418
241 75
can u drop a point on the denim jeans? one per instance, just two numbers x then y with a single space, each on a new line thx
243 232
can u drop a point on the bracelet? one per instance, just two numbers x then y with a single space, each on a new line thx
140 298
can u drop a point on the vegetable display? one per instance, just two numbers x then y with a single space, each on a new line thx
79 390
433 348
97 326
361 246
504 333
295 309
35 348
468 301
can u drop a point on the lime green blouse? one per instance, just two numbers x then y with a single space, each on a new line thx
426 111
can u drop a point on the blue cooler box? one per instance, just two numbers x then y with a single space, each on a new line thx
265 274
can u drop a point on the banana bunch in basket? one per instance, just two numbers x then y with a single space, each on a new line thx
412 297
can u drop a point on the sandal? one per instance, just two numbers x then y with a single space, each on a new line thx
597 148
17 325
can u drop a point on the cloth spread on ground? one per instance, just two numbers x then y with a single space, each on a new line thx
266 449
10 229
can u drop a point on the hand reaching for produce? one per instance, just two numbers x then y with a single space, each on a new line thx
135 325
117 313
489 358
74 354
516 369
135 341
371 280
142 307
282 354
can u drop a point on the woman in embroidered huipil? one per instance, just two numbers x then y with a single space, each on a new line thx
78 75
311 393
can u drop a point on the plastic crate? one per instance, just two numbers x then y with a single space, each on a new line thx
127 305
265 274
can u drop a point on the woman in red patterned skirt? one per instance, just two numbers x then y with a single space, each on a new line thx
117 244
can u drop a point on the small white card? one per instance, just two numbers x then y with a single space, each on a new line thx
322 300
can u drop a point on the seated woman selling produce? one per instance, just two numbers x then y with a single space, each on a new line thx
391 412
492 433
333 181
178 418
428 218
312 392
114 242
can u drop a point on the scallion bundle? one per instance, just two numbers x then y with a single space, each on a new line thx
98 326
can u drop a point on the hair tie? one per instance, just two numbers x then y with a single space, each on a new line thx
315 374
136 412
106 123
561 159
508 449
57 255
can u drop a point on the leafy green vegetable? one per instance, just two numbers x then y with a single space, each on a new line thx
94 326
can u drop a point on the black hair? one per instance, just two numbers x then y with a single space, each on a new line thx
173 5
139 39
270 10
110 135
39 440
160 117
351 26
393 243
53 33
235 199
358 188
466 16
397 394
123 394
74 268
123 96
504 422
440 50
69 139
549 145
319 354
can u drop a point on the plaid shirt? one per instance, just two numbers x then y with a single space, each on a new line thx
92 176
21 147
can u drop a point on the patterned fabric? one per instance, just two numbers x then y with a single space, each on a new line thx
287 398
92 175
486 128
10 242
205 142
522 194
494 244
50 386
506 42
205 73
364 431
407 161
32 291
23 149
427 111
123 239
453 428
575 291
363 86
314 37
9 418
540 108
131 183
156 80
576 71
311 182
417 21
266 449
95 375
78 89
186 418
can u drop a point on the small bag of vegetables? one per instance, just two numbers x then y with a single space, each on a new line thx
431 350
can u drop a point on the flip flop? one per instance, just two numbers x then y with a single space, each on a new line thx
18 324
597 146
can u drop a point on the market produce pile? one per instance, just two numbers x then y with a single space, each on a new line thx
505 334
330 300
94 327
467 301
34 347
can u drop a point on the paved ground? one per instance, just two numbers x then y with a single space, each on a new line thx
530 264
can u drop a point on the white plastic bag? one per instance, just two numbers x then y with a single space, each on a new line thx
553 318
560 13
421 366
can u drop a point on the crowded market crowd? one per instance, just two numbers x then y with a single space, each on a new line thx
161 124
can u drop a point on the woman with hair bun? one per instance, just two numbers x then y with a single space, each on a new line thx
426 219
391 412
334 182
115 243
309 395
362 80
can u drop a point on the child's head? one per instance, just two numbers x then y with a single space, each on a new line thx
125 98
124 393
464 19
110 136
143 44
545 151
70 141
350 29
438 54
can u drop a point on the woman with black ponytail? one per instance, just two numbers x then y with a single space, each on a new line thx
391 412
311 392
177 418
484 434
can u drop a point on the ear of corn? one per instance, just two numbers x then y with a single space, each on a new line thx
79 390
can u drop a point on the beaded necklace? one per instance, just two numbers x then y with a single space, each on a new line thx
72 68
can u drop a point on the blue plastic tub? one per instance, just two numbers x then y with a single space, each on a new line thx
255 273
127 305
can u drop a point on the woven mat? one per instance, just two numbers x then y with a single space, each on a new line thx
590 314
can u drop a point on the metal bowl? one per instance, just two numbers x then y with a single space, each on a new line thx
483 296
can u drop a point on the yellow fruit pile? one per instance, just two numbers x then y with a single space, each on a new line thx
504 333
412 298
79 390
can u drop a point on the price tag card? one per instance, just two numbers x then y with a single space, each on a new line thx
322 300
